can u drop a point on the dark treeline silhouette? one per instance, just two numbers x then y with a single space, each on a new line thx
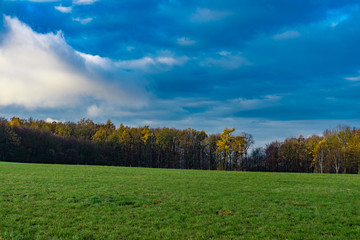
84 142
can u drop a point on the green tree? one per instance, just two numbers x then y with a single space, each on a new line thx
63 130
9 142
85 129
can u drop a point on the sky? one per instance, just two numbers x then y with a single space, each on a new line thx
271 68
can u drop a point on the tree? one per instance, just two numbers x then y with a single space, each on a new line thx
209 145
224 150
352 152
335 149
273 157
63 130
166 141
310 145
15 122
239 151
85 129
289 155
9 142
294 156
104 132
320 151
247 142
145 134
256 161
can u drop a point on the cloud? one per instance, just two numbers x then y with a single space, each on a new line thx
43 71
63 9
226 60
170 61
50 120
94 111
337 16
136 64
259 103
159 63
206 15
185 41
354 79
83 20
39 0
224 53
95 61
84 2
287 35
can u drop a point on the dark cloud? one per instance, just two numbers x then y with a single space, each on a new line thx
208 59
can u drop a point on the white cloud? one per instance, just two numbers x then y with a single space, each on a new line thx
83 20
168 61
256 103
152 63
39 0
84 2
78 2
63 9
227 61
136 63
96 60
50 120
43 71
207 15
354 79
224 53
184 41
287 35
94 111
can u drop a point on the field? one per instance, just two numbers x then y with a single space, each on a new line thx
94 202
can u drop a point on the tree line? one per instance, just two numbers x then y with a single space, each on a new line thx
86 142
336 151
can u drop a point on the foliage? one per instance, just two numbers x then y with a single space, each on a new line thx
9 142
338 150
86 142
231 150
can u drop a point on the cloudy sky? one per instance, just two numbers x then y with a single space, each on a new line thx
272 68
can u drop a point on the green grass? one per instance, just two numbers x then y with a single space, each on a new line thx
93 202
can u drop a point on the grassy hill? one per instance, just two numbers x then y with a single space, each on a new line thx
93 202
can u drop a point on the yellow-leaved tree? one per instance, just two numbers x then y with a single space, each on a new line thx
145 134
223 150
230 150
15 122
320 151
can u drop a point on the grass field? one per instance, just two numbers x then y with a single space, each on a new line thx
94 202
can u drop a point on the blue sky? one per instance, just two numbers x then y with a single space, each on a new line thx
271 68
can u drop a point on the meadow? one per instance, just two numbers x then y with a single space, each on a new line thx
40 201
